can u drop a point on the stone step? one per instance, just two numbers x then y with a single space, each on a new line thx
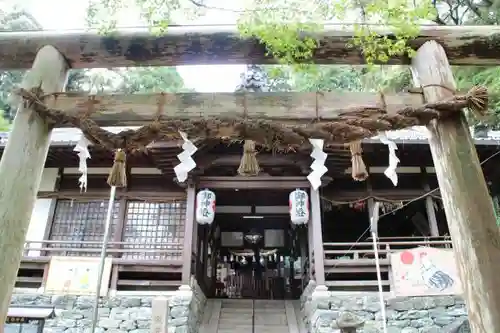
270 311
236 311
243 318
271 320
270 329
235 318
234 323
252 316
237 303
257 329
236 307
269 304
236 328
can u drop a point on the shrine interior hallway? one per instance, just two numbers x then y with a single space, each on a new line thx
252 316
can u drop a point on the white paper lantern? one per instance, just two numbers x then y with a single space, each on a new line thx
205 207
299 207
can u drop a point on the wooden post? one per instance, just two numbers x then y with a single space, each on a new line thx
120 227
317 238
310 250
468 208
21 169
431 213
188 235
429 205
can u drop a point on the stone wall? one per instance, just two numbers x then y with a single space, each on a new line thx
186 310
440 314
74 313
121 314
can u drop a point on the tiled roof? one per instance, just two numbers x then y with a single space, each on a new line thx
416 135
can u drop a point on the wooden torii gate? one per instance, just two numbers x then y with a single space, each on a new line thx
468 207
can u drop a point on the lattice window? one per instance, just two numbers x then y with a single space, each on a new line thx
152 225
81 221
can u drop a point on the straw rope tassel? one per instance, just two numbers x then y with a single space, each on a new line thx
359 172
249 166
118 174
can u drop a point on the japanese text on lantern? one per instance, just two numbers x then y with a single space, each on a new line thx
205 207
299 207
300 203
206 203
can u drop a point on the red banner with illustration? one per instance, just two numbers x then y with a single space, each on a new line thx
424 271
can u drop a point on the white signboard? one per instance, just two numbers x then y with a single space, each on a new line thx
424 271
77 276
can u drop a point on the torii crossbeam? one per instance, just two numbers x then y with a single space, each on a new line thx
222 44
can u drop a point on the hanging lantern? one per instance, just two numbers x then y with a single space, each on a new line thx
299 207
205 207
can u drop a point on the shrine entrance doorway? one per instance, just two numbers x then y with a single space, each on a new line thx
253 250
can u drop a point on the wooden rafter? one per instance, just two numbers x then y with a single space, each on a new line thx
138 109
190 45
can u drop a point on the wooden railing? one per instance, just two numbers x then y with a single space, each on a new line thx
351 266
134 266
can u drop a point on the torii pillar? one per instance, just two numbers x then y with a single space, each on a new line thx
467 204
21 169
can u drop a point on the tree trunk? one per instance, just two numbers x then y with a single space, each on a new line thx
21 169
467 205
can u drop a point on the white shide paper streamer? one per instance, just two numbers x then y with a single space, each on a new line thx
390 172
318 165
82 150
187 163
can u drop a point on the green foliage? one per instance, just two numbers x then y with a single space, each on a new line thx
258 78
330 78
4 122
285 42
150 79
343 78
288 28
466 77
134 80
398 17
289 34
157 14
